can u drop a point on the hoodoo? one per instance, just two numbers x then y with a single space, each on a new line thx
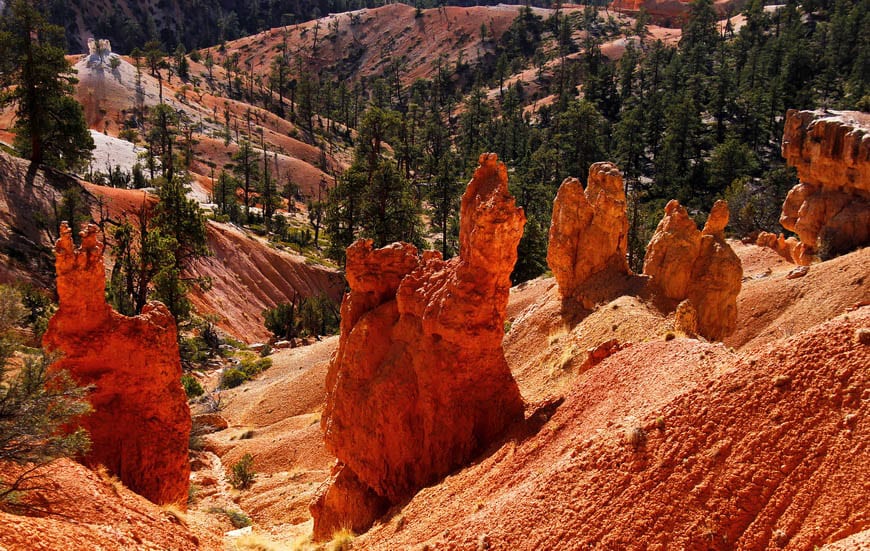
420 383
140 425
700 266
829 209
589 231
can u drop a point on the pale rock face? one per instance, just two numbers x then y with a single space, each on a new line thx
789 249
588 231
140 425
420 383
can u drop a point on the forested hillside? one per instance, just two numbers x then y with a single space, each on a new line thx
198 23
696 117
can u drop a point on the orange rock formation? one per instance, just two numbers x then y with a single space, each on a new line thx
140 425
420 383
589 230
700 266
789 248
830 209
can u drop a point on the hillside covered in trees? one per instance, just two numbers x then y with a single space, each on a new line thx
696 116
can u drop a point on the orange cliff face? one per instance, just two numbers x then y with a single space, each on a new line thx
700 266
420 384
140 425
589 231
830 209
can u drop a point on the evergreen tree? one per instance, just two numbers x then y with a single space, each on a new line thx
35 76
248 172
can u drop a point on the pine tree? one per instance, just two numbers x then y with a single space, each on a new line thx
248 172
35 76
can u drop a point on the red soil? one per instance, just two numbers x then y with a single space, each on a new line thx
676 444
771 307
244 266
91 511
531 484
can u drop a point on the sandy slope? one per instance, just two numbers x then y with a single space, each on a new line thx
246 266
520 494
91 511
761 451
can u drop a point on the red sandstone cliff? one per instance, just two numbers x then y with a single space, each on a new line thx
420 383
140 425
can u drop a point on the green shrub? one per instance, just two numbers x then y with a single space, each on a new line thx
243 473
191 386
238 518
34 405
233 377
281 320
253 366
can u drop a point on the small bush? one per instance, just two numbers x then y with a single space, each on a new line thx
191 386
238 518
233 377
192 493
636 437
253 366
341 541
243 474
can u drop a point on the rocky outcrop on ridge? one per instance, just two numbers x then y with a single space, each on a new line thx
830 209
420 384
588 231
140 425
700 266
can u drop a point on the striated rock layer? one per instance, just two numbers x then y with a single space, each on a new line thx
830 209
420 384
700 266
589 231
140 425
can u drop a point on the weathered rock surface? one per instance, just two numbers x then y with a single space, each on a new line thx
140 425
830 209
672 252
345 502
700 266
787 248
589 230
420 383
